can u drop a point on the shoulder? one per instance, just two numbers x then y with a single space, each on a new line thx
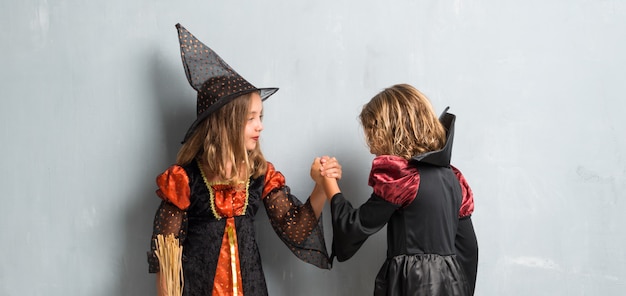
467 204
390 168
173 174
270 167
394 180
271 171
273 179
173 186
389 165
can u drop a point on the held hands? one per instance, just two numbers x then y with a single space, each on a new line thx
325 171
325 167
330 167
316 171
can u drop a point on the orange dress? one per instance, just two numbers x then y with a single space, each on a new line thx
214 223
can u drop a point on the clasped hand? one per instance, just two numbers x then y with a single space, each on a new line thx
325 167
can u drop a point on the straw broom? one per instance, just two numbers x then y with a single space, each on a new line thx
169 253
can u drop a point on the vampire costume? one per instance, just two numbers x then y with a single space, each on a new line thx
423 202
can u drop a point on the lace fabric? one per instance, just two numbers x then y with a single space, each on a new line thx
296 225
168 219
294 222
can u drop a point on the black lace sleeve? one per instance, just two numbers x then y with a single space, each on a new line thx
296 225
168 219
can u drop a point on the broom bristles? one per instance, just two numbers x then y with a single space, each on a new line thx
169 252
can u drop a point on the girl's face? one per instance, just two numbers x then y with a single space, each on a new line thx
254 124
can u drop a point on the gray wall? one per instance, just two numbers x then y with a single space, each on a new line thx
94 103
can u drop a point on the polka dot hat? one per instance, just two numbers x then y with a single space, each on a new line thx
215 81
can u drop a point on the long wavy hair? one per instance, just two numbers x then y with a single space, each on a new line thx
400 121
219 140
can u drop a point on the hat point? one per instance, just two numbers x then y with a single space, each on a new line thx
214 80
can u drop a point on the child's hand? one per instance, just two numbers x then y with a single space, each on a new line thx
316 171
330 167
331 172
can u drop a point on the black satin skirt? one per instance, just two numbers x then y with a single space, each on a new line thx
421 274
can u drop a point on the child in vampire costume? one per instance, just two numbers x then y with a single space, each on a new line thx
424 201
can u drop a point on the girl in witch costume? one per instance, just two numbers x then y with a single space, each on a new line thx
425 202
221 179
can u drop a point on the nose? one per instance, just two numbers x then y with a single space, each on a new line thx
259 126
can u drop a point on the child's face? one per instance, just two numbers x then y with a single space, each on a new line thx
254 124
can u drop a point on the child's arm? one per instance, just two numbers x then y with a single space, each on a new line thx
317 198
331 187
325 171
331 170
161 287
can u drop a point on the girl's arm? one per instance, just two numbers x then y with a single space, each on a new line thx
169 220
160 281
318 200
297 224
331 187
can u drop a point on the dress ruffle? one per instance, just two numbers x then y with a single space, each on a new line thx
174 186
394 180
467 205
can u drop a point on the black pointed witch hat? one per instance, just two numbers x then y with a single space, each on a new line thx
215 81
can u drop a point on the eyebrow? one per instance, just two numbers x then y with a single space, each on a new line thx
255 114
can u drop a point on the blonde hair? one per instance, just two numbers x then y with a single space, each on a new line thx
219 140
400 121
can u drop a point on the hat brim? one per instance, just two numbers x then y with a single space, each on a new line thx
263 92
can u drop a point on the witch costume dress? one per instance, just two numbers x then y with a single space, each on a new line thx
215 224
420 200
214 221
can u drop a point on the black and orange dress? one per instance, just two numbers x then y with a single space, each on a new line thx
214 223
425 204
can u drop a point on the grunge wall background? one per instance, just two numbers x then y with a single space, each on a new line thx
94 103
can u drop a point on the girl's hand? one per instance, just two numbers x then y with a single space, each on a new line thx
330 167
316 171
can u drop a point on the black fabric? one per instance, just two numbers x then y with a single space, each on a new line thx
419 275
204 237
427 225
168 220
352 227
467 250
298 227
201 234
420 237
442 156
215 81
